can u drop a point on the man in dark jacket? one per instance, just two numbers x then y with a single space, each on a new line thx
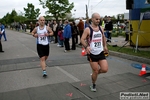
108 28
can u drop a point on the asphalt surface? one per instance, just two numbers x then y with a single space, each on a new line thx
68 73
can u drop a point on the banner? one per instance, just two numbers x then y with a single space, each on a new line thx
146 15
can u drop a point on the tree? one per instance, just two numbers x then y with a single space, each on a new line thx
12 15
6 19
20 19
57 8
9 17
30 12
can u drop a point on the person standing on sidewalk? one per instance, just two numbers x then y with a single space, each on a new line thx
55 30
74 34
31 27
108 28
67 35
1 34
3 31
1 49
81 28
42 32
95 47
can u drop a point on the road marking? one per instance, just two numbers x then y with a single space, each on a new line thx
68 74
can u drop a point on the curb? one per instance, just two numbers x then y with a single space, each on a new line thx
130 57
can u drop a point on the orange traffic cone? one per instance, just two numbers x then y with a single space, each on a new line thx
143 70
83 52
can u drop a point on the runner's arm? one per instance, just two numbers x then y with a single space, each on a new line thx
84 38
34 32
50 31
84 41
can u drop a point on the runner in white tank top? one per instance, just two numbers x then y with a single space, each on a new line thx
42 38
96 43
95 49
42 32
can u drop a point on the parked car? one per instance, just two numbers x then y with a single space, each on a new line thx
122 26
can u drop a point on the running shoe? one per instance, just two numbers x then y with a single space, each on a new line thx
44 74
93 88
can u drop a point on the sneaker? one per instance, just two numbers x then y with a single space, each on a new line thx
52 41
93 88
58 45
66 51
44 74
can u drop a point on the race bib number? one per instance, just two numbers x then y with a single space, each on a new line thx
97 44
43 38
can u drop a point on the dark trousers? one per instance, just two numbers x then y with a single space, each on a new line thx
81 32
73 42
1 49
76 39
31 29
67 45
127 37
108 36
55 35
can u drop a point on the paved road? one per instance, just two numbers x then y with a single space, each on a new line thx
20 69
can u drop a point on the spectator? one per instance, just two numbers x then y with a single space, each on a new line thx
81 28
3 31
31 27
60 37
127 30
108 28
74 35
87 23
67 35
55 25
60 27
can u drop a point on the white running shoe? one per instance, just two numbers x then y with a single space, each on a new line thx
93 88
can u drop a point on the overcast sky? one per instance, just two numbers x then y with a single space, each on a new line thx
103 7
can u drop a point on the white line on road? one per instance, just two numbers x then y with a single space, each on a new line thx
68 74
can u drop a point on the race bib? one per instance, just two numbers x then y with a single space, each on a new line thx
42 39
97 44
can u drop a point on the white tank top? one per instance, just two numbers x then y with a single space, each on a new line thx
96 43
42 39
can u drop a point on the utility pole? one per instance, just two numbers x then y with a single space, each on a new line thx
87 12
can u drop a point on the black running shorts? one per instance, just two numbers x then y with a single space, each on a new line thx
43 50
96 58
